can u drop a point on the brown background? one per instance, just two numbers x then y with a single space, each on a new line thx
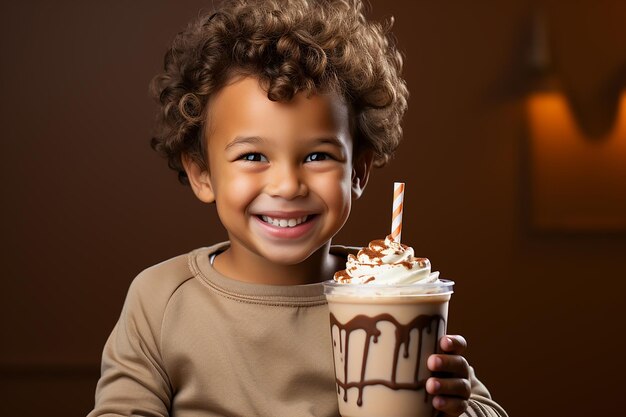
86 204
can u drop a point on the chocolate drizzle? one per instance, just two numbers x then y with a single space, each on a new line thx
403 338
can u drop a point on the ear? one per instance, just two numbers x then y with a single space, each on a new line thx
361 167
199 179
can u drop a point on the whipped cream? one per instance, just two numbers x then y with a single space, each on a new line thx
386 262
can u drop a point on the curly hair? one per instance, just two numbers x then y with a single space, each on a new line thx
291 46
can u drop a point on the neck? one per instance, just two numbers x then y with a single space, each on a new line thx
243 265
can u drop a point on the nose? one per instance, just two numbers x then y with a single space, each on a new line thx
286 181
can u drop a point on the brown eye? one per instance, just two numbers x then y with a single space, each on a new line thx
253 157
317 156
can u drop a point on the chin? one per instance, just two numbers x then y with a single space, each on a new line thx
287 260
285 256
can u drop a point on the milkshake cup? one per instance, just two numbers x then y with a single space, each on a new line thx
387 315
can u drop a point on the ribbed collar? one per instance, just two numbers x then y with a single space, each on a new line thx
283 295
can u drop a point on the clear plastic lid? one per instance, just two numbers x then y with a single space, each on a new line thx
439 287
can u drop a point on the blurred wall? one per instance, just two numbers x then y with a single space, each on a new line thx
86 204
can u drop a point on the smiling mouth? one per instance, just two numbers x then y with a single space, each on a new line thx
284 222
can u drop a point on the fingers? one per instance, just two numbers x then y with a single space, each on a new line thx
452 365
455 344
450 384
450 406
449 387
450 394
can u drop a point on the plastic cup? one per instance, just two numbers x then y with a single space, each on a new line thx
382 336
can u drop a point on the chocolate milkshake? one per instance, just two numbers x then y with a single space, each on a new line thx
387 314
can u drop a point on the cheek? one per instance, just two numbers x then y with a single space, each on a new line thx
338 196
235 192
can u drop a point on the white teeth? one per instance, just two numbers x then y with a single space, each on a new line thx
284 222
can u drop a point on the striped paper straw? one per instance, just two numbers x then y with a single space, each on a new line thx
396 217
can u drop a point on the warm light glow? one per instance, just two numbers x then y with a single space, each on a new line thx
577 182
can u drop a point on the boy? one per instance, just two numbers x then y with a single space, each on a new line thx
275 111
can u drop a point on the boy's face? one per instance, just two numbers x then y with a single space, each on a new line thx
281 174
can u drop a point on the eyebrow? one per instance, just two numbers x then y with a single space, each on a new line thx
254 140
244 140
331 140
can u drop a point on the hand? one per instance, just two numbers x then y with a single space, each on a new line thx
450 384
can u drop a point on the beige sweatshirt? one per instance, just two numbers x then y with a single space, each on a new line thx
193 343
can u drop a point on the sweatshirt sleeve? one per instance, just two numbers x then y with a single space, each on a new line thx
133 379
480 402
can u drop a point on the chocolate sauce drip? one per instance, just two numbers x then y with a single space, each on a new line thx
403 337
